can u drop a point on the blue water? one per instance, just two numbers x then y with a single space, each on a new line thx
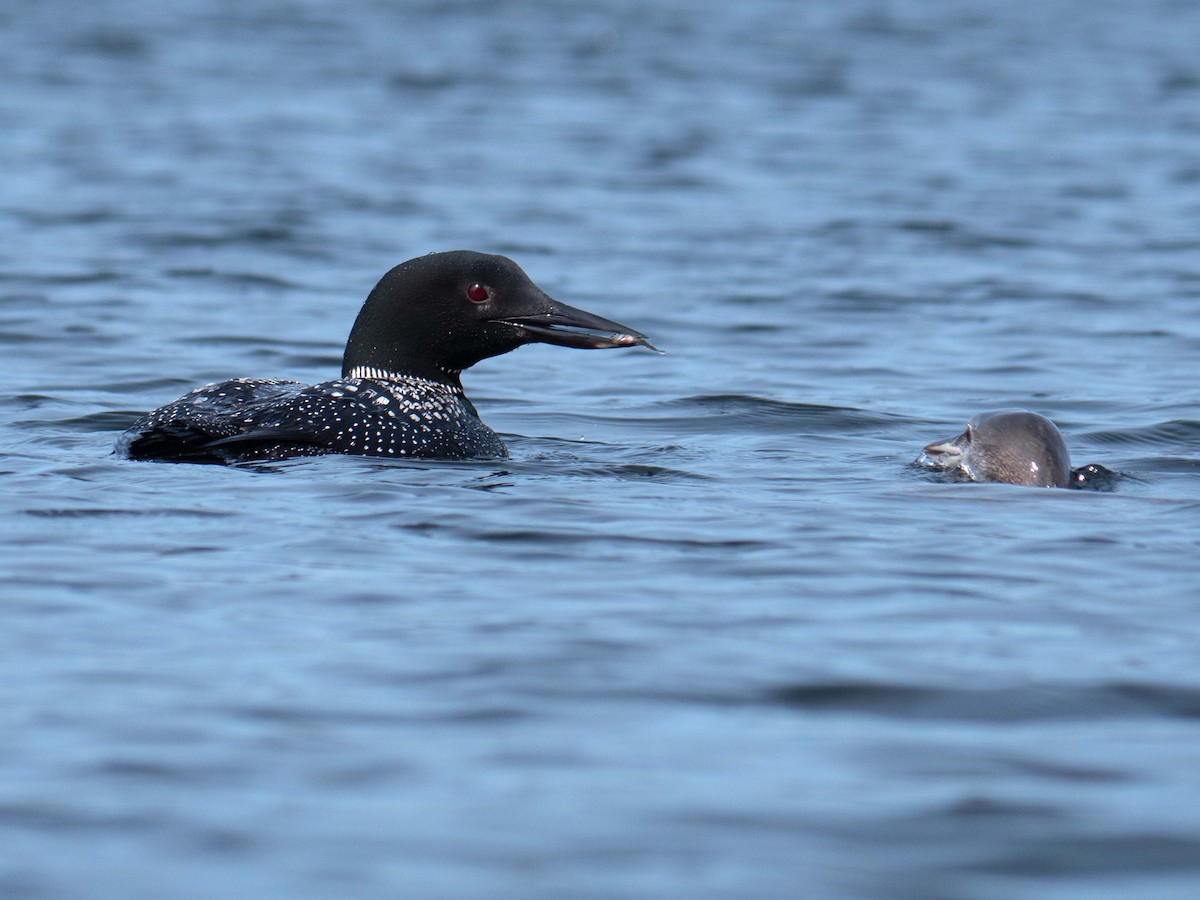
707 633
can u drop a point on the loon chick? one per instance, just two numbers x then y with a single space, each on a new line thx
426 321
1009 445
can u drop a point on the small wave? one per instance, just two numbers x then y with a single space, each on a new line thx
20 337
144 384
51 218
108 420
81 512
562 459
237 279
254 340
760 413
1178 432
1025 703
1115 855
55 817
636 472
410 80
60 278
1168 465
956 234
240 236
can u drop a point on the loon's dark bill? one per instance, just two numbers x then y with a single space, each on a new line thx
569 327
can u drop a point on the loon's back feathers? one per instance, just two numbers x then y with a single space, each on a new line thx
404 416
181 430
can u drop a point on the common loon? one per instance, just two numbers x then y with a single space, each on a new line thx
400 394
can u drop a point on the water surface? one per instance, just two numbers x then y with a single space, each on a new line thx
707 633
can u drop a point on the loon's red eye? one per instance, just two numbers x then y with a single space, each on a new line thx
477 293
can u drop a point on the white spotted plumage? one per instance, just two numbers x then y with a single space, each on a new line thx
281 419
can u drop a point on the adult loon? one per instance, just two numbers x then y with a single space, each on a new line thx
400 394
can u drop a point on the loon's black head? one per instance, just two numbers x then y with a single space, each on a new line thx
436 315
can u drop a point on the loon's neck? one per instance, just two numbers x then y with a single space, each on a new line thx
448 380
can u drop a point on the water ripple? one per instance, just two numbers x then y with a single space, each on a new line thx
1027 703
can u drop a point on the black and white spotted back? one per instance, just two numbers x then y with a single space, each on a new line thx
260 420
